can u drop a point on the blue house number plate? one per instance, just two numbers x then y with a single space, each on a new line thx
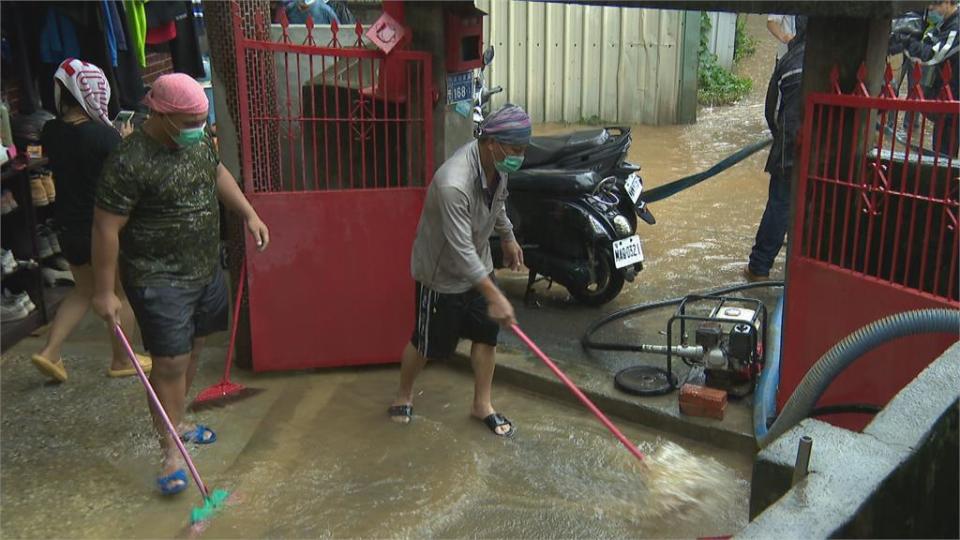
459 87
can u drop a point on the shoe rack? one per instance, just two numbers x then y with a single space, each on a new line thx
20 218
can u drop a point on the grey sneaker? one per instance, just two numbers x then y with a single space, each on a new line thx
12 311
44 249
52 277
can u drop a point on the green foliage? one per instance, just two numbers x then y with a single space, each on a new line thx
717 85
591 121
743 45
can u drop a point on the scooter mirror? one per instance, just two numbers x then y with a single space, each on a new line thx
488 56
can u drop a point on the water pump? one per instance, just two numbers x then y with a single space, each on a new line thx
727 347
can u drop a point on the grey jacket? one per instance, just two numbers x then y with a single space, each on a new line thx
451 252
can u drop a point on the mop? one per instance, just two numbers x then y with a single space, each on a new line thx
676 481
214 500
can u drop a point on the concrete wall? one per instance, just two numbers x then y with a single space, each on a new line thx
899 478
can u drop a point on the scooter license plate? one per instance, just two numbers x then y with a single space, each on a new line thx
627 251
634 187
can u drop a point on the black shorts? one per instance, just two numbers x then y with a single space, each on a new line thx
171 317
443 319
75 247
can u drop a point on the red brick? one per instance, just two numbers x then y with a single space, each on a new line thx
702 401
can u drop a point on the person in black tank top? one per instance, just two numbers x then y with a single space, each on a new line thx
77 144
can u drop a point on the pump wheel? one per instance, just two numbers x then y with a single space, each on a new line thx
608 284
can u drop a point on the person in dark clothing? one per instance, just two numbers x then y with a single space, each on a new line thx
783 109
77 143
940 46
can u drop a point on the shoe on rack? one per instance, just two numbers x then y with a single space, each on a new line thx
12 311
46 178
7 202
8 262
52 277
57 262
52 240
21 298
44 249
37 192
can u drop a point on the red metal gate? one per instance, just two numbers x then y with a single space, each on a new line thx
875 233
336 160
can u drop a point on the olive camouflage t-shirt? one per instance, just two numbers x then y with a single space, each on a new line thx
172 238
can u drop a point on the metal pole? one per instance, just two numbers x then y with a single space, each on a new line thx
801 468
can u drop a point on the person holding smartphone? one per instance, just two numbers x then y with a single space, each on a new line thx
77 144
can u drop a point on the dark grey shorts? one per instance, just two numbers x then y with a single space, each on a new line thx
171 317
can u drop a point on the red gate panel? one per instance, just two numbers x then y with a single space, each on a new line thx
336 160
875 234
319 299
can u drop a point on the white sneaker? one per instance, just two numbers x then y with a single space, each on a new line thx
12 311
51 277
8 262
22 299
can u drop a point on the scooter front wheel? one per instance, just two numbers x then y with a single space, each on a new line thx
608 284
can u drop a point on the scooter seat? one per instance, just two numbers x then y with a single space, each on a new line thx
553 181
544 150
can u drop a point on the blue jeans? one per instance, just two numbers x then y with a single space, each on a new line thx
773 224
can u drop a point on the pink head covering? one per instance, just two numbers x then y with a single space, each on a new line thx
176 93
87 84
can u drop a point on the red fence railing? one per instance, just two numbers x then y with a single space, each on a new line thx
878 186
319 114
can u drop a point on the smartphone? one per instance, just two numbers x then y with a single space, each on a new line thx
122 118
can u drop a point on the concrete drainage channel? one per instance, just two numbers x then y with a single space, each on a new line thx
896 478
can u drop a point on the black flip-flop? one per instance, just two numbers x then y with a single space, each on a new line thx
496 420
404 411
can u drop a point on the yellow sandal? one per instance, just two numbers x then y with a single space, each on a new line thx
145 362
55 371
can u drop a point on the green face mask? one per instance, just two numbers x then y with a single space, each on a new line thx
188 136
509 163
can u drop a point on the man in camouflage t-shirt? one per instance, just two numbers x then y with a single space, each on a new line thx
157 213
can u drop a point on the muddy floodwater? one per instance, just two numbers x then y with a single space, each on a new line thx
314 456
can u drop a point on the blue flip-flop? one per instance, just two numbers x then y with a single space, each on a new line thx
199 435
164 482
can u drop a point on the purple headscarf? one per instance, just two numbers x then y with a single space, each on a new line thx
508 125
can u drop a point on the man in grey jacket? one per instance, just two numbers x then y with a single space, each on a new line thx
456 295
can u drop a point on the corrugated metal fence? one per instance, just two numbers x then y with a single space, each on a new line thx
575 63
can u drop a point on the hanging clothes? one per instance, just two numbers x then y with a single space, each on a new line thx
21 25
161 34
185 48
161 13
110 33
118 23
137 26
129 76
58 39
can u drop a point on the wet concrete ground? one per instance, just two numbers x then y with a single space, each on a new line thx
313 455
701 241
